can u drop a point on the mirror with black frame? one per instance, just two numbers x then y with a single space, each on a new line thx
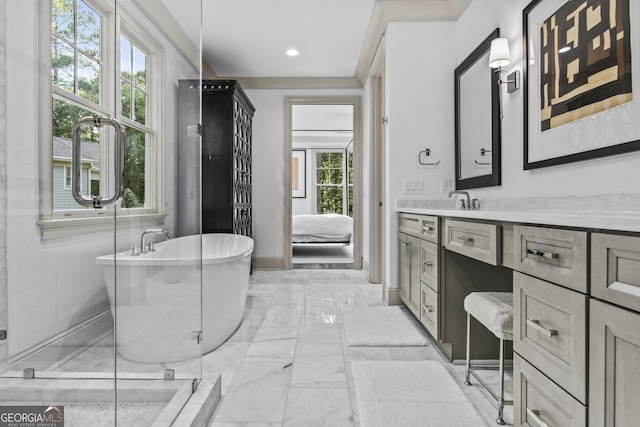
477 120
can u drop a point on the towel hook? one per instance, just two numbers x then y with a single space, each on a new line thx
426 152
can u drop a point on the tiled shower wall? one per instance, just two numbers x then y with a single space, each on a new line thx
4 355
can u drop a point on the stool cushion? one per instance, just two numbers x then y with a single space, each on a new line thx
494 310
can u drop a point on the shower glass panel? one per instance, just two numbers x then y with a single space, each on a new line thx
100 303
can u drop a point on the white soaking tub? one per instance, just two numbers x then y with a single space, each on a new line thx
157 301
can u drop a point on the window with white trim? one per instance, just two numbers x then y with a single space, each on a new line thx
334 182
85 80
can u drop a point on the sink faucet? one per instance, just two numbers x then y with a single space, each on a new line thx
149 248
463 205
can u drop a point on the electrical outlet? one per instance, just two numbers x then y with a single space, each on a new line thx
445 186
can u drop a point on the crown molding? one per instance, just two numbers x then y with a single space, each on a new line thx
386 11
298 82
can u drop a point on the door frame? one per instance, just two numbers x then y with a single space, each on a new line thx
354 101
377 171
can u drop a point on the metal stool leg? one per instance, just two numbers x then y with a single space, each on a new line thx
500 419
467 382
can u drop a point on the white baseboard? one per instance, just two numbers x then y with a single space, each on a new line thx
391 296
268 263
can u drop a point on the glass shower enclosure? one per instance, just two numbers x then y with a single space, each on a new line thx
100 303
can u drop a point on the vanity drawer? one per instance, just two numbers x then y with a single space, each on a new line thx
429 228
550 331
475 240
409 224
559 256
422 226
615 269
429 264
429 300
538 401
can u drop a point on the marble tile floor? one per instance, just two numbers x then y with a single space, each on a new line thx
317 256
289 365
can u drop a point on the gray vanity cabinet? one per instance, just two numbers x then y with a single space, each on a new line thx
419 263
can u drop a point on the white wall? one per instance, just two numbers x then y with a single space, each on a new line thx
608 175
268 165
55 284
419 101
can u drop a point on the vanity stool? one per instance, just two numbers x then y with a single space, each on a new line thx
495 311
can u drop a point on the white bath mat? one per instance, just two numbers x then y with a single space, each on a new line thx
380 327
410 393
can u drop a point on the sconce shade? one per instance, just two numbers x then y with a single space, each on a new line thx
499 55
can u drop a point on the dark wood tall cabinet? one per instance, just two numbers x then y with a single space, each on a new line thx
225 157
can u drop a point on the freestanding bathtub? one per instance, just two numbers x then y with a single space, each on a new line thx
158 303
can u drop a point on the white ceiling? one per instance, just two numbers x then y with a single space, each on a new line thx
248 38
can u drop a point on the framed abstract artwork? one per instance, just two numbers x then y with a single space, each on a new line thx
298 174
581 61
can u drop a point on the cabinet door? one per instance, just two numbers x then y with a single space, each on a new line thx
416 270
404 267
614 367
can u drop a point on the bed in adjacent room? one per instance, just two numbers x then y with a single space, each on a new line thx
322 228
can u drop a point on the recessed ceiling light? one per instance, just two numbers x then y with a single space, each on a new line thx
564 49
293 52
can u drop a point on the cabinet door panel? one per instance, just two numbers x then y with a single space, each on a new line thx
614 367
429 308
404 267
414 284
539 400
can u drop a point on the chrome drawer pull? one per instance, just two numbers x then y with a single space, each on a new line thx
427 308
425 228
466 239
549 255
405 243
428 264
535 324
535 415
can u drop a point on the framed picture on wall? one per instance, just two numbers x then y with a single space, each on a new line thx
299 174
580 79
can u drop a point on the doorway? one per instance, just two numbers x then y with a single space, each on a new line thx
323 149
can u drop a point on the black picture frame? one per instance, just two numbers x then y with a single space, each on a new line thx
575 149
495 177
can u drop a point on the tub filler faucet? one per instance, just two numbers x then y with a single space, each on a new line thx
149 247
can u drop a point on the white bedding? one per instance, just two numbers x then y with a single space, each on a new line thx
323 228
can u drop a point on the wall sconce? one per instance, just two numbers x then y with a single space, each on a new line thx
499 57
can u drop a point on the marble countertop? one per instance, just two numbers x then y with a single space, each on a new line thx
604 220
